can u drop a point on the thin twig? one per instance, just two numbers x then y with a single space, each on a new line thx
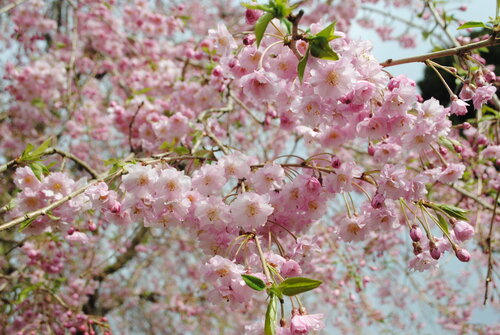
490 251
8 7
295 33
443 53
131 125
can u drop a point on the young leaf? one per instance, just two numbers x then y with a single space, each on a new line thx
254 282
264 8
261 26
296 285
328 32
455 212
443 224
321 49
25 224
38 169
473 24
271 313
301 67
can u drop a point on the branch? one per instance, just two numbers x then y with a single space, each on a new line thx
47 209
295 33
490 252
5 9
51 151
441 23
124 258
443 53
474 197
130 127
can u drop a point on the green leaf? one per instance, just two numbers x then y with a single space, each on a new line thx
38 169
443 224
287 24
320 48
143 91
261 26
452 211
328 32
473 24
296 285
254 282
181 150
25 224
277 291
38 103
271 313
264 8
301 67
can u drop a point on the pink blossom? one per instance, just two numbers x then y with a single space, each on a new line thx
78 237
452 173
209 179
303 324
482 95
223 39
250 210
333 79
259 85
267 178
458 107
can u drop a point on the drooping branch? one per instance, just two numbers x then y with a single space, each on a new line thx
443 53
490 251
51 151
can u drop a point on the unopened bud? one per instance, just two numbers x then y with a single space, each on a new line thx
378 201
416 233
417 248
435 253
462 254
336 162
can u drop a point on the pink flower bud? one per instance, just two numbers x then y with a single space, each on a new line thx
371 149
92 226
116 208
252 15
336 162
482 140
463 231
462 254
458 148
416 233
466 93
378 201
71 230
435 253
313 184
249 39
466 125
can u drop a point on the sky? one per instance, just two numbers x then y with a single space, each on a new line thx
478 10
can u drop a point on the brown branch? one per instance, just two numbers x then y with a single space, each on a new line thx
443 53
295 33
50 151
8 7
124 258
131 125
490 251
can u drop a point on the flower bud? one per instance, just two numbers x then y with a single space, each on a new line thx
252 15
378 201
466 125
463 231
71 231
434 251
458 148
417 248
336 162
482 140
249 39
416 233
462 254
313 184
